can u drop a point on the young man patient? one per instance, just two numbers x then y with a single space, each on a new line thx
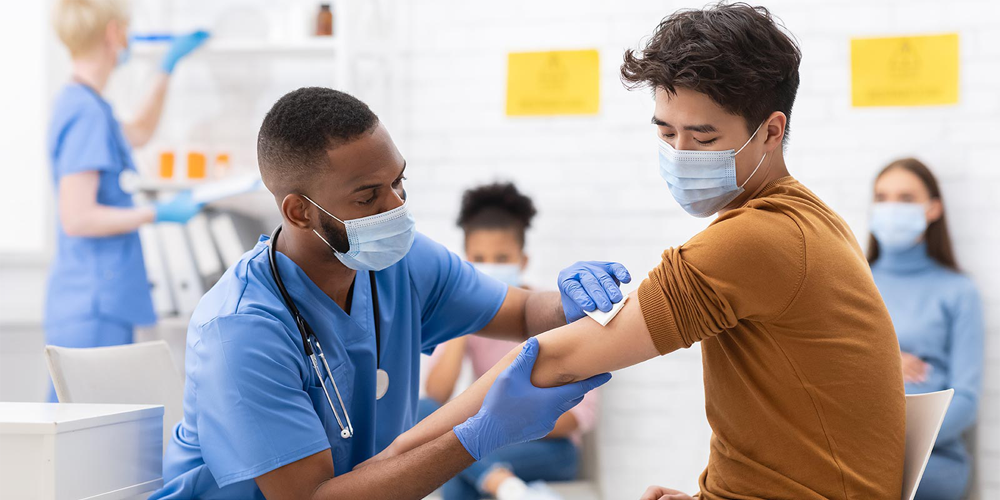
803 388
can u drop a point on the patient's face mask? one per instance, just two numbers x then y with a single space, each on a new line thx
898 226
703 182
377 241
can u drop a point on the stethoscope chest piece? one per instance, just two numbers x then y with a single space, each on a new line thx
381 383
345 433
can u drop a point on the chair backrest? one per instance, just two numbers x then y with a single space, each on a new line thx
141 373
924 415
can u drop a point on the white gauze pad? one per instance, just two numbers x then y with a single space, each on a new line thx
605 317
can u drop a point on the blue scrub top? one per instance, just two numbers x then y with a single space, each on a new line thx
252 402
94 277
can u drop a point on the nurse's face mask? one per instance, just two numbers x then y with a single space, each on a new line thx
703 182
374 242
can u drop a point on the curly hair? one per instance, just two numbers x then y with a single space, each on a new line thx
496 206
736 54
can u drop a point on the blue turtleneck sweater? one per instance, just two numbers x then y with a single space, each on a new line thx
938 318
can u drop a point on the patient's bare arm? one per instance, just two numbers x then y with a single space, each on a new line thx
567 354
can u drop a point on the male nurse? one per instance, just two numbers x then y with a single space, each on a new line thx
261 420
97 289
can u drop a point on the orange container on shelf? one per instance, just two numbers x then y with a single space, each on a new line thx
196 165
167 165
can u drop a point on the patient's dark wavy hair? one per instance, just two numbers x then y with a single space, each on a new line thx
496 206
736 54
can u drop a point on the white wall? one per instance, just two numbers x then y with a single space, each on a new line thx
23 116
599 196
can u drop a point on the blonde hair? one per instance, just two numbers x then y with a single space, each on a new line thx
81 24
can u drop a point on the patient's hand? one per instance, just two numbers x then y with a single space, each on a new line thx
661 493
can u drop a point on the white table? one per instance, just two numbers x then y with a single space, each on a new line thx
60 451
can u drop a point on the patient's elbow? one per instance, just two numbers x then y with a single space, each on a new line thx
551 371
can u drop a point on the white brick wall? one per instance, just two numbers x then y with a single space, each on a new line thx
599 197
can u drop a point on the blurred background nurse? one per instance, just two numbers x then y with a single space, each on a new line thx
935 310
98 290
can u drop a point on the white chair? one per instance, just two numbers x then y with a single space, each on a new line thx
141 373
924 415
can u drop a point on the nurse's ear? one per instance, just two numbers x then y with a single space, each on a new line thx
296 211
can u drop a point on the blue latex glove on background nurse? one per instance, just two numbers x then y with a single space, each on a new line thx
515 411
180 208
590 285
180 47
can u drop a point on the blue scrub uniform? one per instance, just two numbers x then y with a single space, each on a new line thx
252 402
97 288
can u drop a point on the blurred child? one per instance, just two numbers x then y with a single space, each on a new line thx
495 218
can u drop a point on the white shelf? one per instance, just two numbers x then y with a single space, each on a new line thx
312 46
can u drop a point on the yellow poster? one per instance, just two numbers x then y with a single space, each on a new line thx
904 71
565 82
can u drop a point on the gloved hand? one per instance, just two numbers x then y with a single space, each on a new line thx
182 46
180 208
515 411
589 285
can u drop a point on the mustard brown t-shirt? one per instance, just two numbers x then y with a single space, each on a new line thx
803 385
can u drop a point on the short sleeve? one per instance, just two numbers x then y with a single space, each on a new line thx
455 298
586 412
87 142
254 414
749 264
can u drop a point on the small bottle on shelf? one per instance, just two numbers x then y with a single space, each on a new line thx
324 21
222 165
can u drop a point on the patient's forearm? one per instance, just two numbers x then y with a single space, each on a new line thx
567 354
457 410
584 348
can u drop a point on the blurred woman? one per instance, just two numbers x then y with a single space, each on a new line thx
495 218
97 290
935 310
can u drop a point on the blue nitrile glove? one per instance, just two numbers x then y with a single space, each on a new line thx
515 411
180 208
182 46
589 285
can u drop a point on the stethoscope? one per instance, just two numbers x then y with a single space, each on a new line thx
310 343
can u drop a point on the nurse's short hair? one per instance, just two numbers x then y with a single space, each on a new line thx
301 127
81 24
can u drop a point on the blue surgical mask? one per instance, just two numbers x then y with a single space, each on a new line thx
898 226
377 241
124 55
703 182
505 273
